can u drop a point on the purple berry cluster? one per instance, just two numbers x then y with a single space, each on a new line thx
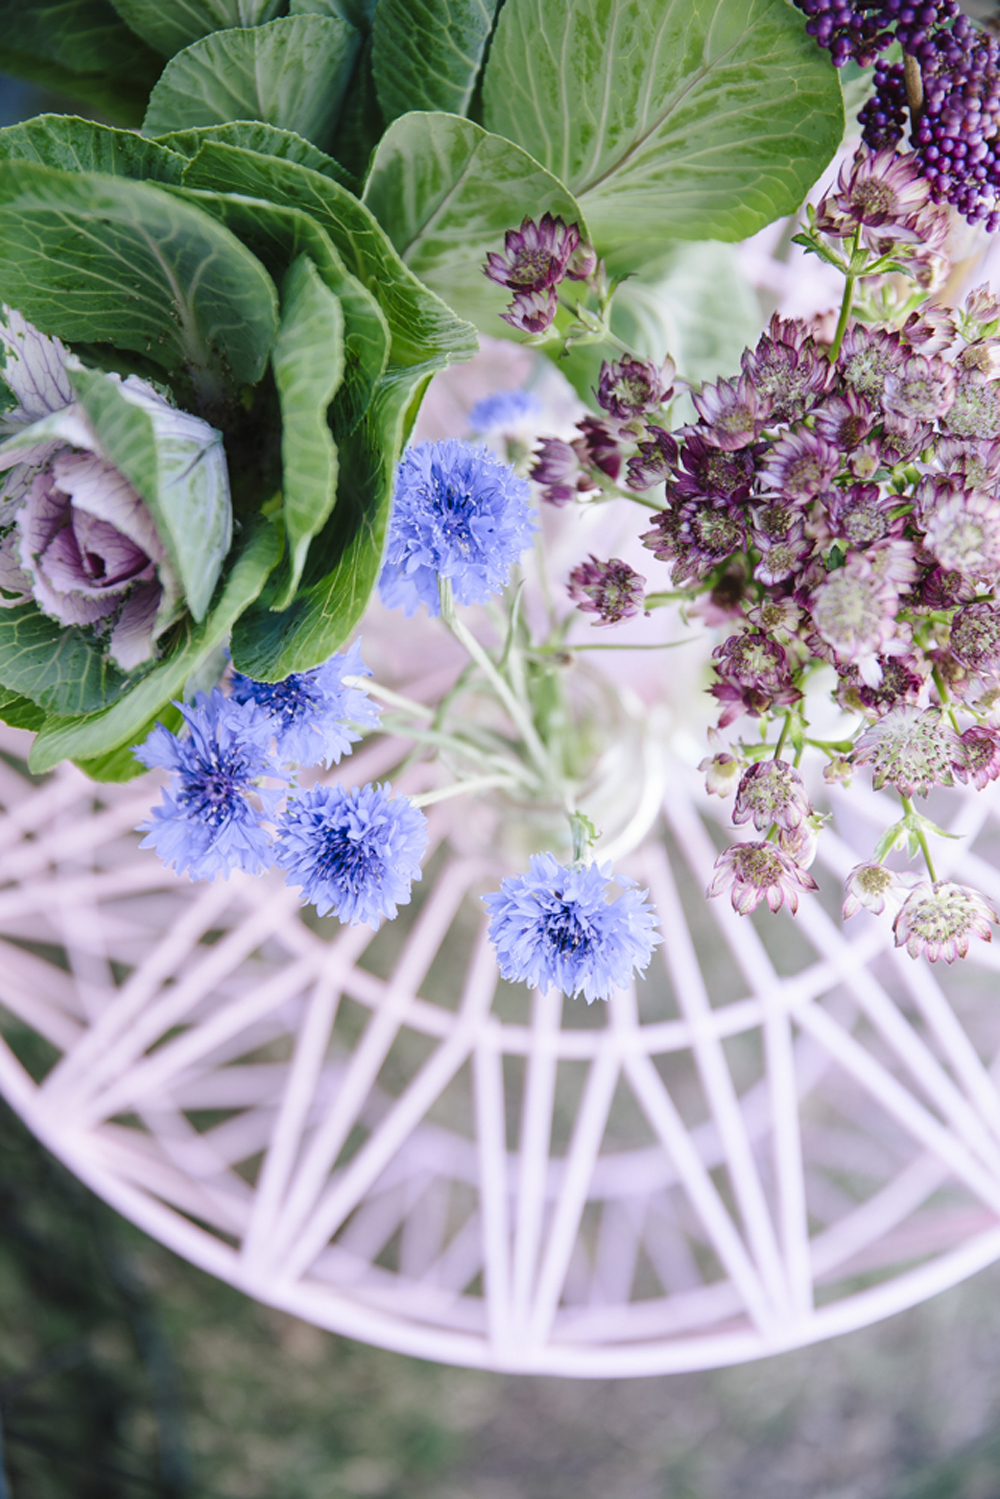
948 83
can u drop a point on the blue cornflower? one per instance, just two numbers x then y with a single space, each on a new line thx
553 927
311 711
206 823
459 513
503 409
355 853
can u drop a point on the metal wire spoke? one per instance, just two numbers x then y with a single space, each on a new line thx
369 1131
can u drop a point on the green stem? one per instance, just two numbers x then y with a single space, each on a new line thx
459 788
909 809
657 600
386 694
845 305
516 710
782 736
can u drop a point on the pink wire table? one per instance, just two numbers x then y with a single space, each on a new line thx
785 1133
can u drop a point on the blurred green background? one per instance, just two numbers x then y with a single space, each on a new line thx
124 1373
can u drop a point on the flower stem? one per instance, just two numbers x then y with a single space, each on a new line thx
460 788
386 694
782 736
921 837
833 353
517 711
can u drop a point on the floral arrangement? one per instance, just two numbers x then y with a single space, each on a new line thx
217 332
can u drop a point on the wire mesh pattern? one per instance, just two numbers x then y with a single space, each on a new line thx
786 1132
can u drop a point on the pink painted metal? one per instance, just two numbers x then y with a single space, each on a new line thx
784 1133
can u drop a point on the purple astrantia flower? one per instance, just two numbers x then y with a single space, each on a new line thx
978 759
903 679
801 465
210 819
845 421
772 792
919 388
854 611
932 330
632 387
786 370
975 638
311 712
861 515
975 410
505 408
940 920
780 560
535 257
611 589
710 471
355 853
731 413
655 460
880 193
459 513
601 443
867 355
723 770
559 469
913 748
753 872
961 531
553 927
870 886
695 538
532 311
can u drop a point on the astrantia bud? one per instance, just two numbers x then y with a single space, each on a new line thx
631 387
611 589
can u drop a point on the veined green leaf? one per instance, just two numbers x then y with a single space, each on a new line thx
124 721
107 260
445 191
426 54
58 668
120 764
75 145
361 123
169 25
358 13
80 48
291 73
252 135
423 328
344 560
20 712
278 235
308 363
693 119
177 467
